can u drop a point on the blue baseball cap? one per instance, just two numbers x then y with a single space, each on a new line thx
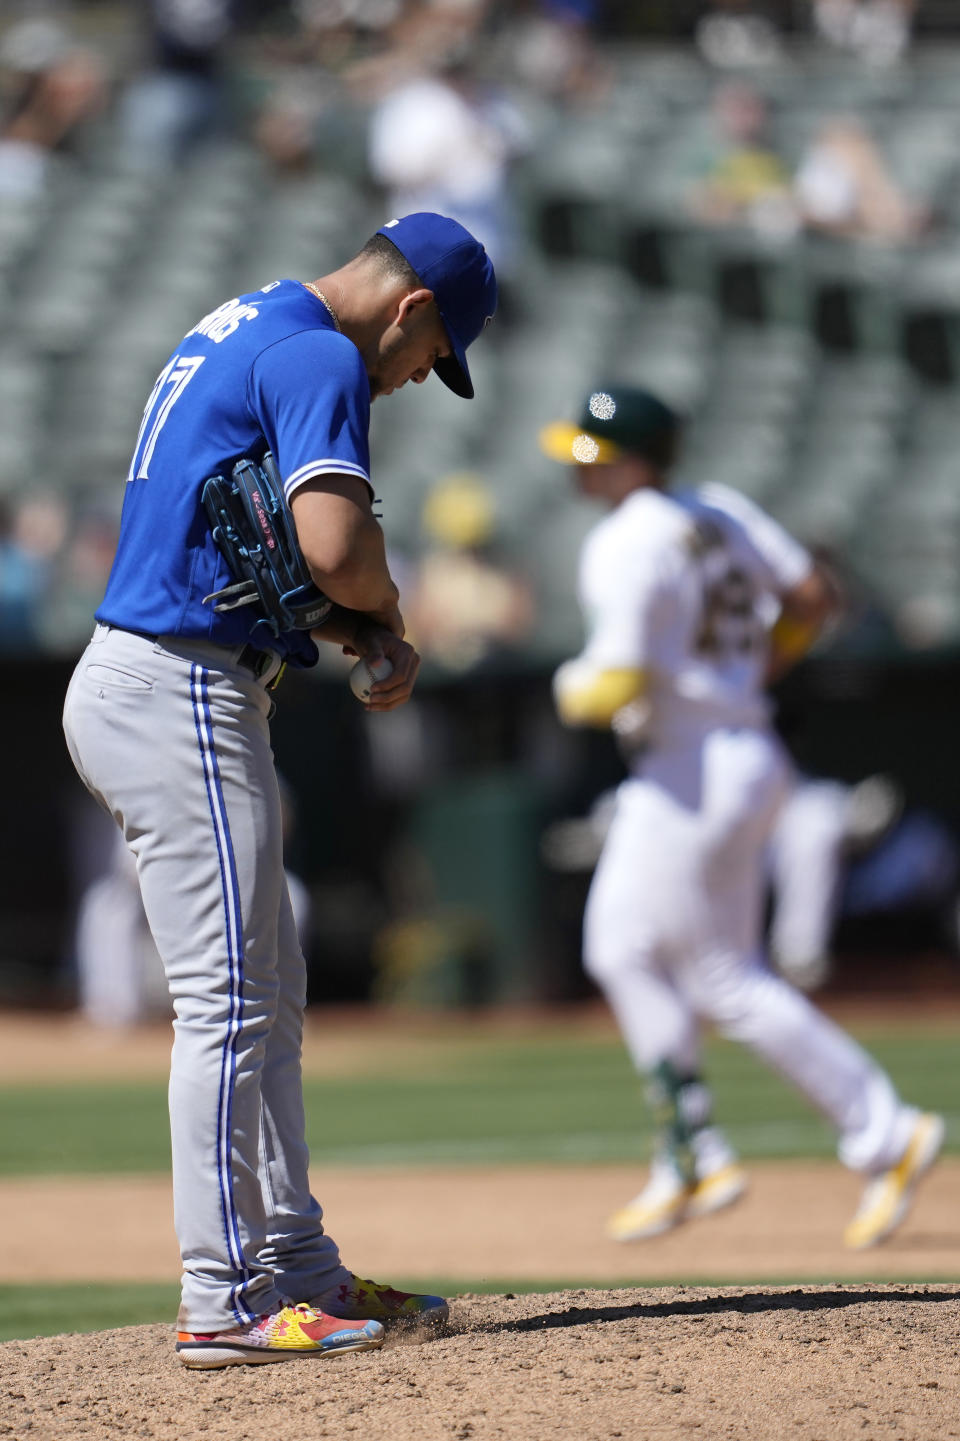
454 265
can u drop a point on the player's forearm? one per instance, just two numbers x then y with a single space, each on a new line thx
338 628
352 629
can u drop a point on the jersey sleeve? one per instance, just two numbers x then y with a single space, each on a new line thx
770 553
630 610
310 396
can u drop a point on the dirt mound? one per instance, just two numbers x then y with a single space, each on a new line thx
816 1362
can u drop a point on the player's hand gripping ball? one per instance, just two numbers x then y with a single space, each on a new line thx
364 674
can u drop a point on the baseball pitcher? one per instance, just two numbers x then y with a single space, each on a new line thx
247 537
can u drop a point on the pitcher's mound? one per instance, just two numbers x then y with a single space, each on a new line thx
816 1362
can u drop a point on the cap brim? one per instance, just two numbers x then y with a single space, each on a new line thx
452 369
572 445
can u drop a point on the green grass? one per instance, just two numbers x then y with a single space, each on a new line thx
541 1097
26 1312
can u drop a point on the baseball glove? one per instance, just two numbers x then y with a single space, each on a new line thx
255 534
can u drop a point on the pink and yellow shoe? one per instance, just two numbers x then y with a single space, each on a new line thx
278 1336
356 1298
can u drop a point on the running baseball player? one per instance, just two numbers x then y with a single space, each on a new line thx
692 601
166 719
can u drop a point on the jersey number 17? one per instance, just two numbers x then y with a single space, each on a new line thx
172 381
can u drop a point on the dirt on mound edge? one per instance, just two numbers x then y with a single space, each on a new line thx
824 1363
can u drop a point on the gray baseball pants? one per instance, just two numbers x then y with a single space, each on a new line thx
172 737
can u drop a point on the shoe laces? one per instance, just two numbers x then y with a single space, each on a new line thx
275 1322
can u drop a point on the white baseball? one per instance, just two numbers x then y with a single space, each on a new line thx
364 674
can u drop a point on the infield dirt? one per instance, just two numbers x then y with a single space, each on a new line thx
821 1363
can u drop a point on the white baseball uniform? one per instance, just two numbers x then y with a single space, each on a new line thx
685 587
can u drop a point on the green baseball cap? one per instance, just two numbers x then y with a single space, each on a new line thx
615 420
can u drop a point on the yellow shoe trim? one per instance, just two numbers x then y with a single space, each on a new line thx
892 1192
633 1222
720 1189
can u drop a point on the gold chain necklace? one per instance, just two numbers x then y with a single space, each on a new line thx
313 289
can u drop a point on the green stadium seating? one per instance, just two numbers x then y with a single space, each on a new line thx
818 376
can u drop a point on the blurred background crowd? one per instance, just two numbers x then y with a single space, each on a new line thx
752 208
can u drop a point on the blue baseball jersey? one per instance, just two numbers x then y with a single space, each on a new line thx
267 371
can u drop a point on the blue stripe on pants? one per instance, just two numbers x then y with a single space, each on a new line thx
234 934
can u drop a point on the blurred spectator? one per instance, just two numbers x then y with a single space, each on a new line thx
738 34
843 188
548 47
78 580
441 140
864 625
23 579
119 976
854 853
926 619
286 126
876 30
52 89
467 608
310 101
914 868
821 828
346 58
335 32
180 98
734 175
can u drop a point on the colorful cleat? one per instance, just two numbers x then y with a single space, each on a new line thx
887 1197
667 1200
278 1336
357 1298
